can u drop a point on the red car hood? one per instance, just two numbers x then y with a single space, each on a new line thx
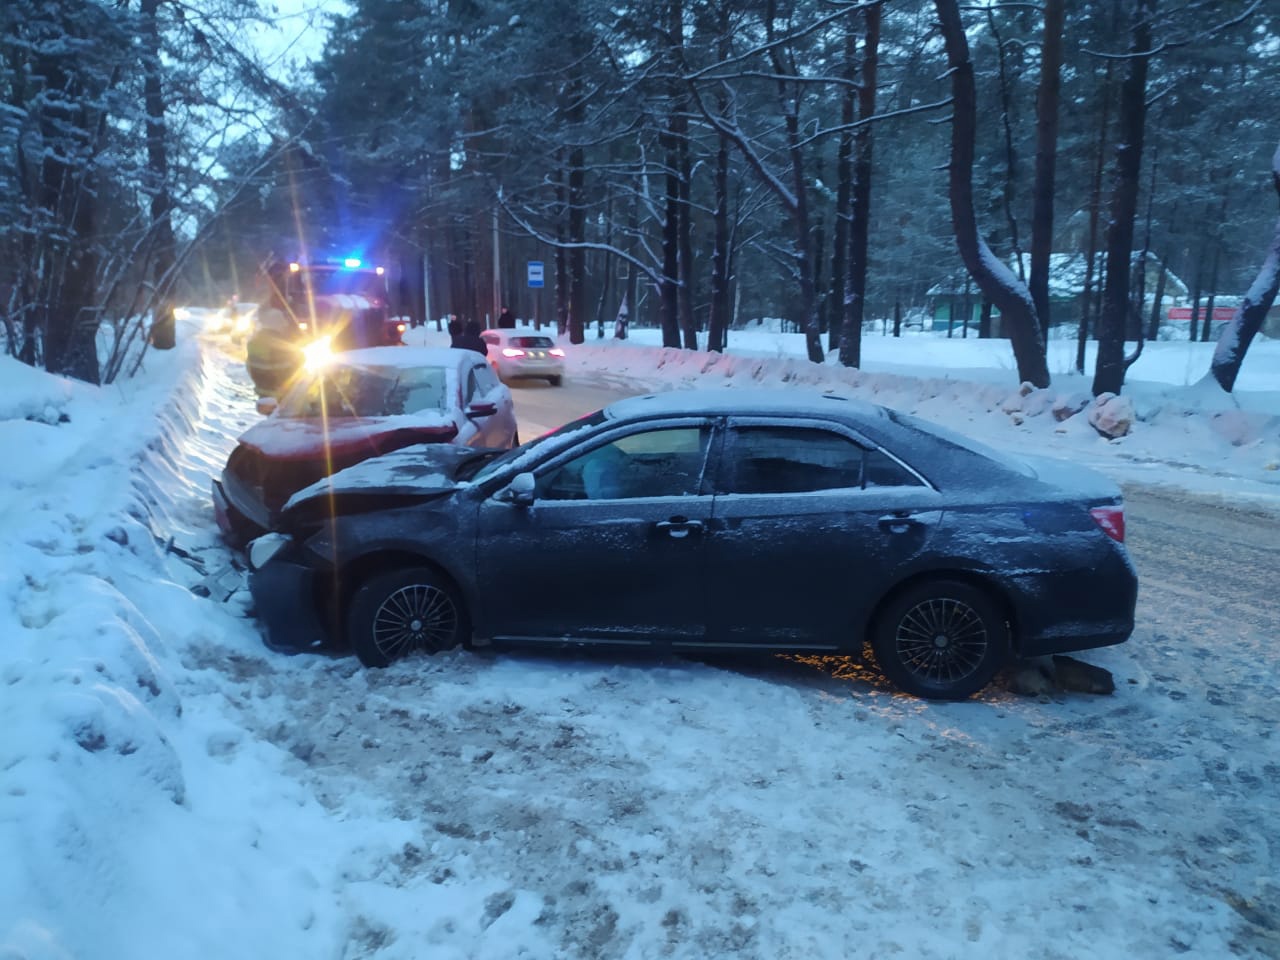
279 438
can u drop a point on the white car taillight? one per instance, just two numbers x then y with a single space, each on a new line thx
512 352
1111 520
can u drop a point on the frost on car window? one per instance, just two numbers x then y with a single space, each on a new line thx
351 391
668 462
939 432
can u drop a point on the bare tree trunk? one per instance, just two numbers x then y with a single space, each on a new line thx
163 330
1238 334
1010 153
997 283
69 290
1197 288
606 272
1108 376
1206 328
684 294
670 303
789 96
669 292
1153 328
984 320
578 252
1047 100
1095 210
563 290
860 227
628 309
721 305
837 298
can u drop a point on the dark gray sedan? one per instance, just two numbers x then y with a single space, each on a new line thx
714 520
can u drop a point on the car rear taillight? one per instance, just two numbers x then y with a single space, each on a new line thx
556 352
512 352
1111 520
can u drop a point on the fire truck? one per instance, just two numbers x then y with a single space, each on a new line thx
345 301
313 308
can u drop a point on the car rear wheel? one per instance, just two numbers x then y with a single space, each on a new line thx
555 381
403 611
942 640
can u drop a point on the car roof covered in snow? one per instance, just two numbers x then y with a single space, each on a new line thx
725 401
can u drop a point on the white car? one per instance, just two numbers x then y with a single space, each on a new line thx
524 354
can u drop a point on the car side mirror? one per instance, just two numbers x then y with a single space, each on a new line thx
267 405
519 491
482 409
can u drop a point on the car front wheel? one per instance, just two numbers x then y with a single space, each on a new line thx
403 611
942 640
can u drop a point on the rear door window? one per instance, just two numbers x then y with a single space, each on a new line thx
783 459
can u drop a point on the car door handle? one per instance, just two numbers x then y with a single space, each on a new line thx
898 522
677 528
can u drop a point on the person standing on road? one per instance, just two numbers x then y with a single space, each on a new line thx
506 319
471 339
272 354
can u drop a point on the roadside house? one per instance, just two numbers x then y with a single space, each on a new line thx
951 298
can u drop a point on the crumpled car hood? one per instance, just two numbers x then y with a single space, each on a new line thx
424 469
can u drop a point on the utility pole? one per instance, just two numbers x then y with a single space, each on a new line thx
497 269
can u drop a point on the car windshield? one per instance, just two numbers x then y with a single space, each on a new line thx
358 391
532 342
555 437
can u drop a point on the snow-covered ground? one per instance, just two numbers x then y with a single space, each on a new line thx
169 788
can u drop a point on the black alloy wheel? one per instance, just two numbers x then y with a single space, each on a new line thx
402 612
942 640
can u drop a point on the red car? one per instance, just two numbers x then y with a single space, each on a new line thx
357 405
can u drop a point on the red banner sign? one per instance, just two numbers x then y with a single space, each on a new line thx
1220 314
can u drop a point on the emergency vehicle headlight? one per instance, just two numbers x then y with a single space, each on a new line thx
317 353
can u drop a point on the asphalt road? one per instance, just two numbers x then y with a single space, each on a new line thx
541 407
1207 589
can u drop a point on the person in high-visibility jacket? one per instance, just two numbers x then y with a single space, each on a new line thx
273 353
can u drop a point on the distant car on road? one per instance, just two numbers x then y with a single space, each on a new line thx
353 406
704 521
524 354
